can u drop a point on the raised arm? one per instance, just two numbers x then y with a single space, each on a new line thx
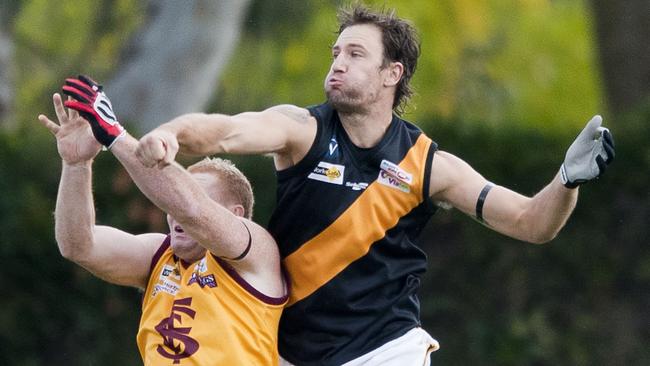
536 219
284 131
110 254
176 192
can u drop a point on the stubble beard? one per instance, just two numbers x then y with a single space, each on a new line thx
345 102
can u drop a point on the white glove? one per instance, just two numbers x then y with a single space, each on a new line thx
588 155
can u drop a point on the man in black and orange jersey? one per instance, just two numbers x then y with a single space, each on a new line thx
213 286
363 182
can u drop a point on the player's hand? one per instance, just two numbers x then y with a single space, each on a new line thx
91 102
74 139
158 147
589 155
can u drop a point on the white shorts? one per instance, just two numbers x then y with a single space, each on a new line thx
412 349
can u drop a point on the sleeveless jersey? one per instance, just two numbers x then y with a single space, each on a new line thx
204 313
346 220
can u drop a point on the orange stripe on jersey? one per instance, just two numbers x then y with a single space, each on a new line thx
320 259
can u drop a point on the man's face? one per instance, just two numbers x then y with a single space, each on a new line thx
182 244
355 79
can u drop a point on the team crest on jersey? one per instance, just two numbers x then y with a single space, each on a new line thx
177 343
332 148
168 281
328 173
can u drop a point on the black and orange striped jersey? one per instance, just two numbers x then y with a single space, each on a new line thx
347 220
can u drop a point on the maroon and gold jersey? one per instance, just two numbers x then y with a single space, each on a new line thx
204 313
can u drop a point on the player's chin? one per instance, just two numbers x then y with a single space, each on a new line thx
182 244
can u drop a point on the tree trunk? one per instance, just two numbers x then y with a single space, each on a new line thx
7 65
173 64
623 31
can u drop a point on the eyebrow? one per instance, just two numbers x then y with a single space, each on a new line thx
350 45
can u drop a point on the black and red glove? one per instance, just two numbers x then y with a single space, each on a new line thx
92 104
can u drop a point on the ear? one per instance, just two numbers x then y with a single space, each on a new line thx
393 74
238 210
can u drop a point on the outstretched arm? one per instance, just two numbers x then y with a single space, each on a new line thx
176 192
284 131
536 219
108 253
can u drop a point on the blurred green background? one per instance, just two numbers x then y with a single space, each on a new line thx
504 84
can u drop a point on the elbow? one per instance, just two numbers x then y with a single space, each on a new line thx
70 248
68 252
543 237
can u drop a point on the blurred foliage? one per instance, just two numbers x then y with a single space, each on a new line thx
505 85
529 63
581 299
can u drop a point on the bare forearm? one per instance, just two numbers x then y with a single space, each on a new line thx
174 191
549 211
75 211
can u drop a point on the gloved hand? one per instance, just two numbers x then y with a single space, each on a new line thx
91 102
589 155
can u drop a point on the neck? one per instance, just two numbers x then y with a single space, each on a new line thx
367 128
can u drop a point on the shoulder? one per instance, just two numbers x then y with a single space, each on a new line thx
295 113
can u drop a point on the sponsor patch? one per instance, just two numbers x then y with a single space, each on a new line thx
203 281
168 281
170 271
396 171
356 186
328 173
166 285
392 181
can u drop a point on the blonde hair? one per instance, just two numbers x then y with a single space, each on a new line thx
235 182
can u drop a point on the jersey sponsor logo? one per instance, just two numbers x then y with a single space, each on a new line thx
328 173
393 182
168 281
202 281
397 172
169 270
177 344
356 186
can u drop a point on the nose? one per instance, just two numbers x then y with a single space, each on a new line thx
339 64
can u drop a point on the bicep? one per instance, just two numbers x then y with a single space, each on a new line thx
278 130
122 258
455 182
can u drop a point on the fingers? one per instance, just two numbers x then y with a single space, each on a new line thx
61 115
171 149
78 106
151 151
49 124
84 91
595 121
602 165
77 92
92 83
590 132
72 113
607 141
